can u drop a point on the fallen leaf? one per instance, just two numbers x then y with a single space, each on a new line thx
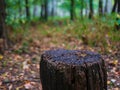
108 82
18 88
28 86
10 87
1 57
115 62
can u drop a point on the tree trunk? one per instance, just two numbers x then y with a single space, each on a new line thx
81 11
100 7
72 10
3 31
117 25
53 8
34 11
20 8
106 6
91 9
118 7
42 10
27 9
46 10
2 17
86 9
72 70
115 6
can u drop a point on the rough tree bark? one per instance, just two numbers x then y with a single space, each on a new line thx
72 10
91 9
72 70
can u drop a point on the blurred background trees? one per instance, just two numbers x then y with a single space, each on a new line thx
29 10
18 12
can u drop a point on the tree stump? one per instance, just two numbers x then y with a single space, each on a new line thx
72 70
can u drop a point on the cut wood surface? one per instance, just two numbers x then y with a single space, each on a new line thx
72 70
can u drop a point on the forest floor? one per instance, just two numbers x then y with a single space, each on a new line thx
19 65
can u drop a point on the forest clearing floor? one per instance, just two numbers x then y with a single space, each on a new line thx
19 66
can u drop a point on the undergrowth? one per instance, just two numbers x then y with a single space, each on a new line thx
99 32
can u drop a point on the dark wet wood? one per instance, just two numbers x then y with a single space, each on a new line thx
72 70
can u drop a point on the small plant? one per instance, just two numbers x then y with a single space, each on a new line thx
4 63
23 49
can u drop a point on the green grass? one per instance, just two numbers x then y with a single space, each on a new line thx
100 32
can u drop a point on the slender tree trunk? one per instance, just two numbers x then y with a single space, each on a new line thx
81 11
52 11
106 6
3 32
42 10
100 7
46 10
86 12
34 12
91 9
20 8
1 24
2 18
72 10
118 6
27 9
86 9
115 6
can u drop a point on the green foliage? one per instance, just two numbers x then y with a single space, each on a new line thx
78 4
16 14
99 32
4 63
65 5
13 17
